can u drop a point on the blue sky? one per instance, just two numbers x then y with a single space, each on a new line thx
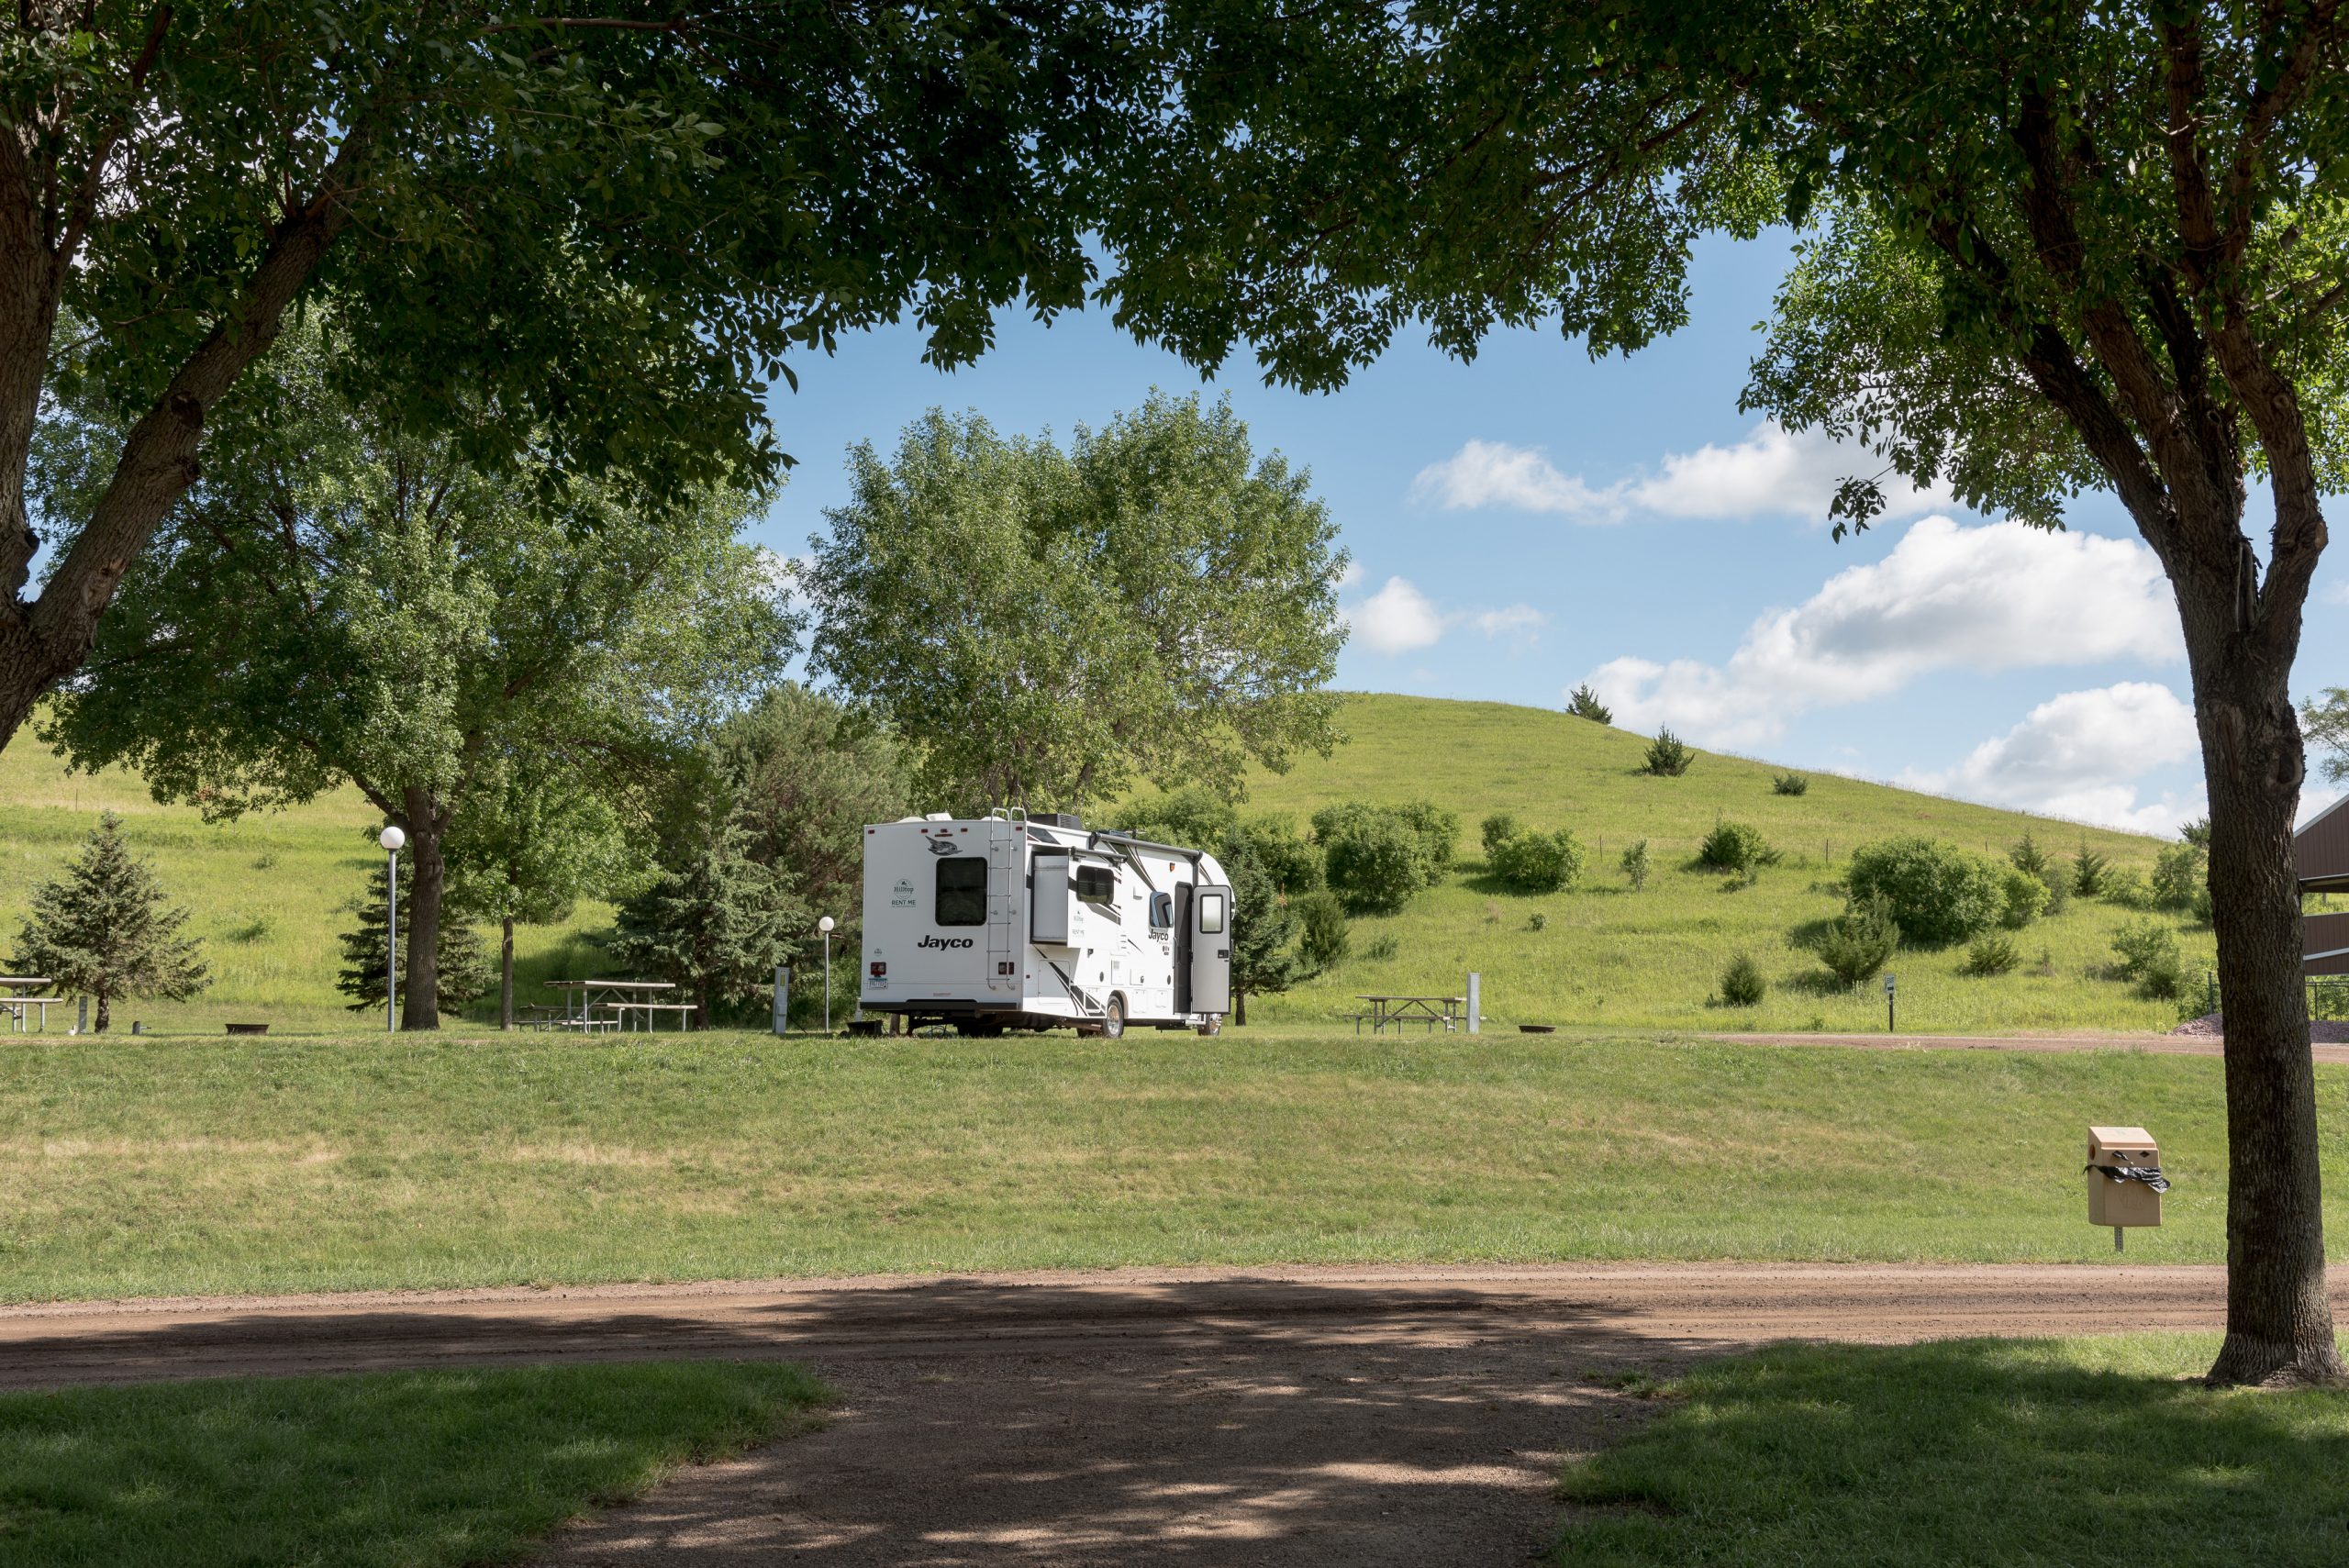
1534 519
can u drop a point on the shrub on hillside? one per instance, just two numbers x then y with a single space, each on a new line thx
1742 982
2059 889
1192 818
1372 856
1323 936
1499 827
2177 875
1937 893
2201 907
1991 955
2088 871
2124 887
1635 866
1439 829
2027 856
2026 898
1738 847
1583 703
1858 944
1538 862
2148 953
1294 865
1667 758
1789 783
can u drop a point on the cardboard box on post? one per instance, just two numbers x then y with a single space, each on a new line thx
2122 1202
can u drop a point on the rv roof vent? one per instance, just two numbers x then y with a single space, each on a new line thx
940 817
1058 820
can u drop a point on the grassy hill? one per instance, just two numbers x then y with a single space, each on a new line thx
1609 958
267 891
265 894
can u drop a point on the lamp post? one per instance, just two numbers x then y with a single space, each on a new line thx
825 926
392 839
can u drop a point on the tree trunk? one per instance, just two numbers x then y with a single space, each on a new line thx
421 980
2279 1320
104 1016
505 975
1239 1008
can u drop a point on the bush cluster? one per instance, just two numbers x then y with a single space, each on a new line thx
2179 876
1991 955
1377 857
1636 865
1789 783
1537 863
1496 830
1736 847
1858 944
1323 936
2027 898
1936 892
1742 982
2148 953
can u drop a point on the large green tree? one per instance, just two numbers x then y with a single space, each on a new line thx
2045 249
105 931
337 599
611 220
1043 625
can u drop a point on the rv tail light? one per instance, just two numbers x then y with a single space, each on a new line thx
1005 967
879 969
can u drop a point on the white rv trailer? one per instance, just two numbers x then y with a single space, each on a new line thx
1016 922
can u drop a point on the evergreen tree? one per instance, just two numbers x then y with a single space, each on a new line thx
714 921
1265 926
104 930
463 970
1583 703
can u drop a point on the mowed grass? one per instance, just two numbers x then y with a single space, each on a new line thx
265 894
1611 958
141 1168
2074 1451
384 1469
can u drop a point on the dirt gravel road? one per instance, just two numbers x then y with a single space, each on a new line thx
1197 1417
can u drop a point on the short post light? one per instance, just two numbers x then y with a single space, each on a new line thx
392 839
825 926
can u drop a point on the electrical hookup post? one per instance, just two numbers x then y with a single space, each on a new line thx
1475 1002
782 998
1888 982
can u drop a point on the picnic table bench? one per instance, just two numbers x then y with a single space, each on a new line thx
13 999
1399 1011
620 1011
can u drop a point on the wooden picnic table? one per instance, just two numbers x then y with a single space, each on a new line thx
14 1000
1402 1010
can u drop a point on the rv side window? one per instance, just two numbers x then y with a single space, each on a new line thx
1162 911
1096 884
1210 913
963 891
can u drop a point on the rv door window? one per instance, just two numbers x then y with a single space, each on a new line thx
1210 913
963 891
1096 884
1162 911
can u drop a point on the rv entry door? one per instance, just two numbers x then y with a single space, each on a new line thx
1210 928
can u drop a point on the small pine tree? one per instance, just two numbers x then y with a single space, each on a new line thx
1636 866
1667 756
1264 929
104 930
464 971
1326 936
1742 982
1789 783
714 922
2027 856
1860 941
1583 703
2088 872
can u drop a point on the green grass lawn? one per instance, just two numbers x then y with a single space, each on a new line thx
1970 1453
1611 957
384 1469
267 891
153 1167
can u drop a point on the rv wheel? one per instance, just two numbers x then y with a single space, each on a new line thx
1113 1018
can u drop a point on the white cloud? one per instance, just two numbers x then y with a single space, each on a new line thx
1351 575
2079 756
1509 620
1396 620
2338 593
1399 618
1772 472
1998 597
